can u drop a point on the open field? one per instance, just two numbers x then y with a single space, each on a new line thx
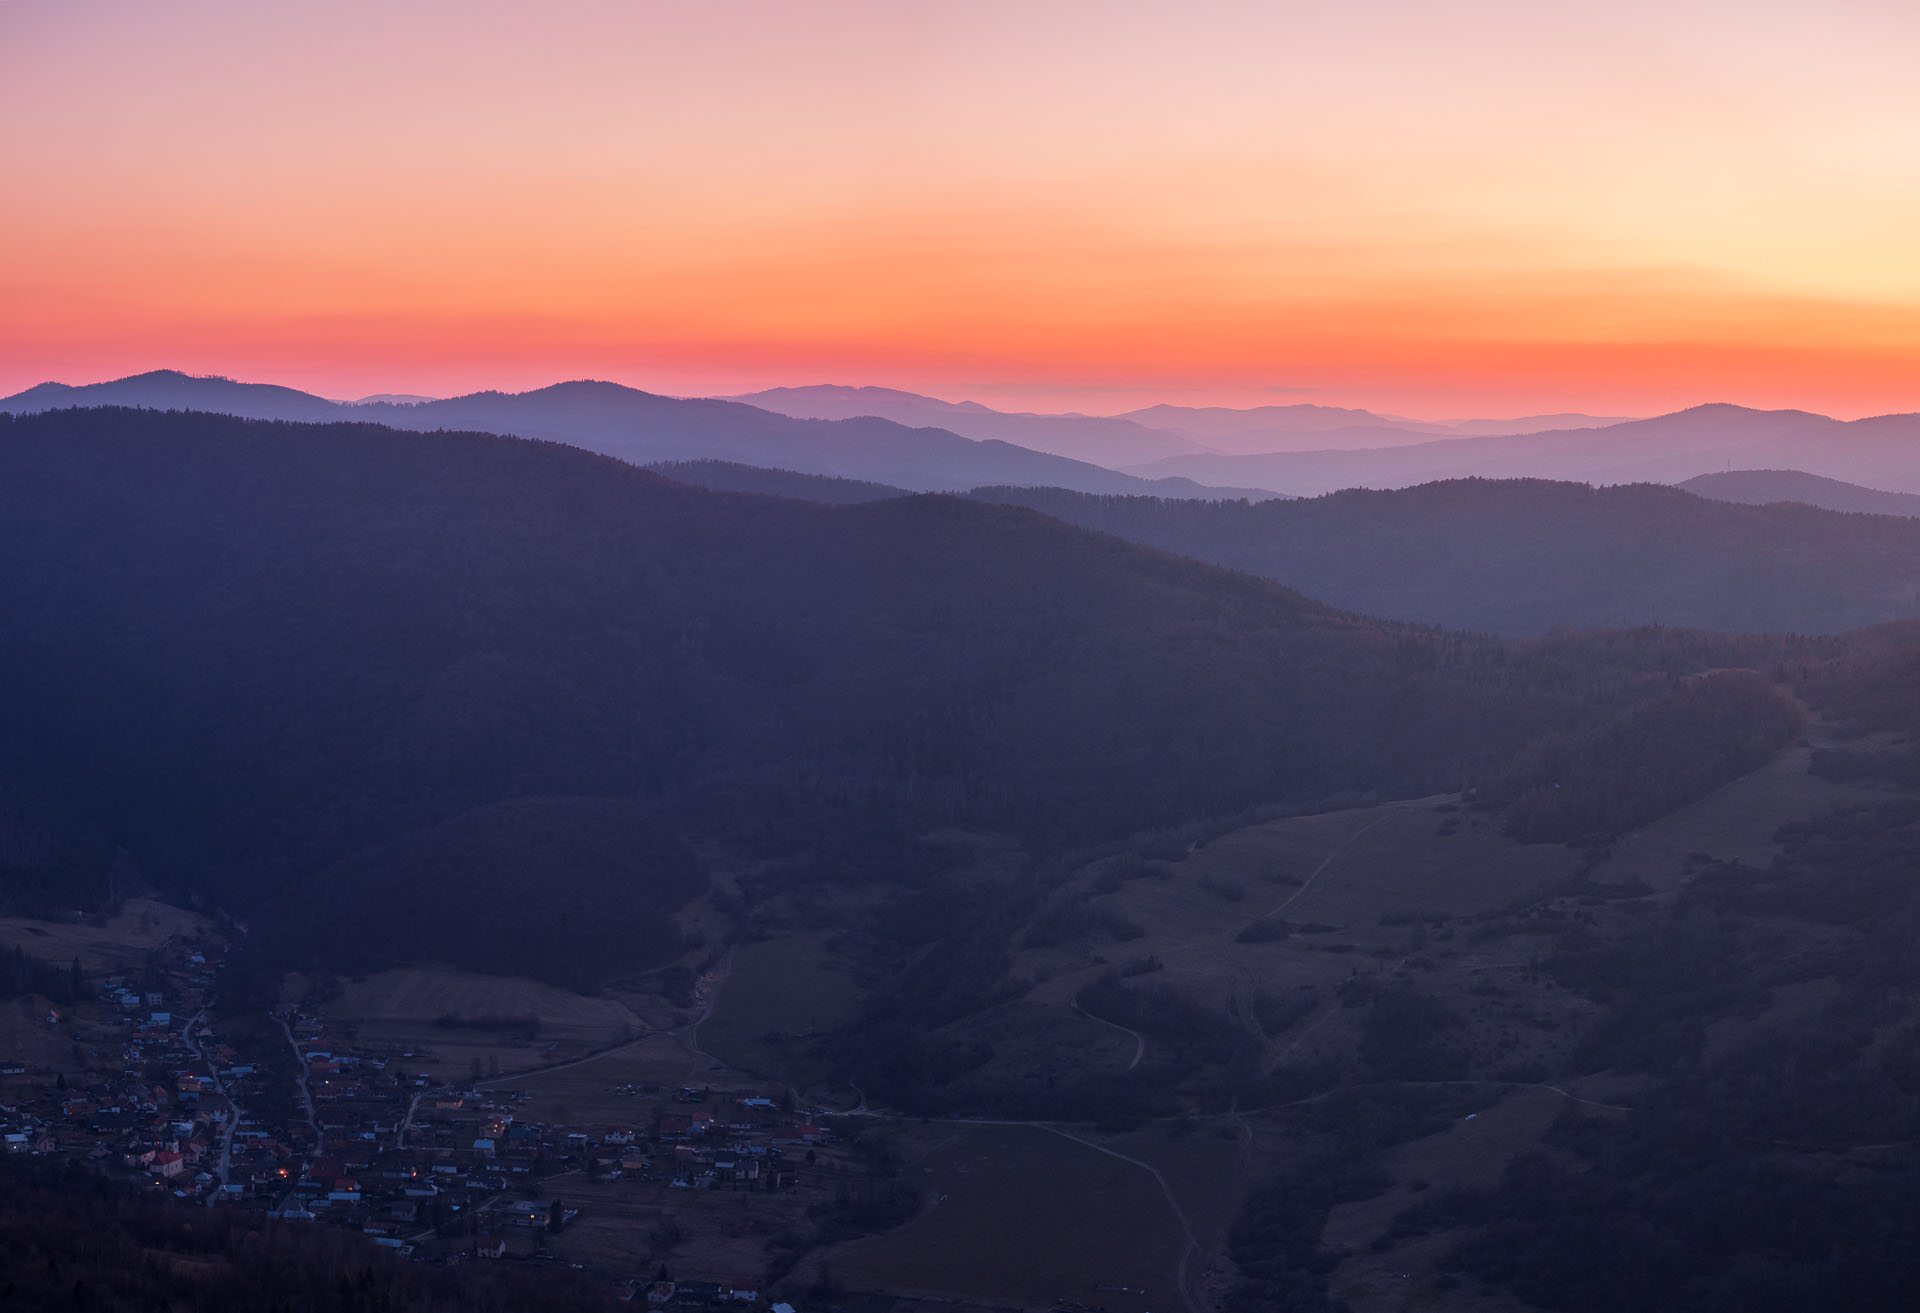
1734 823
1372 892
587 1093
118 945
1205 1164
1019 1213
27 1035
1034 1045
1472 1153
778 993
628 1228
507 1025
1348 869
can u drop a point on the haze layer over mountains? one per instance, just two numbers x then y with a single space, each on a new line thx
926 445
643 427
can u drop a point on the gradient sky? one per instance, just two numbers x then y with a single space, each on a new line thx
1432 208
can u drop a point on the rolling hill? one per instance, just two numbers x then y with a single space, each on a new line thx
248 651
1520 557
1769 487
1513 557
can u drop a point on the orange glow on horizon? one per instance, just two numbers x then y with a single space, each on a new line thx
1469 208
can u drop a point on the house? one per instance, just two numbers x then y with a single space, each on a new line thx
292 1209
169 1164
660 1293
528 1214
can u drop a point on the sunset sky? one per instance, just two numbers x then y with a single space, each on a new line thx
1431 208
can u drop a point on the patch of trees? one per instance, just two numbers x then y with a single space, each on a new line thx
49 865
76 1240
1186 1034
1280 1013
1670 1214
1406 1036
1772 1173
22 974
1275 1238
526 1027
574 891
1067 917
1899 767
1874 684
1672 749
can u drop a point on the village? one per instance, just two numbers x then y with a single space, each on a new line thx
304 1123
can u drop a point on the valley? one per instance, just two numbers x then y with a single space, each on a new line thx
825 938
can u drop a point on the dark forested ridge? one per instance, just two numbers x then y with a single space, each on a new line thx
728 476
1521 557
247 651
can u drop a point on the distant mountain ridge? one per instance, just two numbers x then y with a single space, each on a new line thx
1152 433
169 389
643 427
1352 448
1103 441
1881 452
1770 487
1304 426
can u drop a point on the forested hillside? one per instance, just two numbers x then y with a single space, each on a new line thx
1520 557
247 651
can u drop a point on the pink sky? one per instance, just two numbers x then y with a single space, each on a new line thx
1436 209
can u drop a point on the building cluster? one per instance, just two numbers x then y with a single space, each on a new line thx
307 1126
